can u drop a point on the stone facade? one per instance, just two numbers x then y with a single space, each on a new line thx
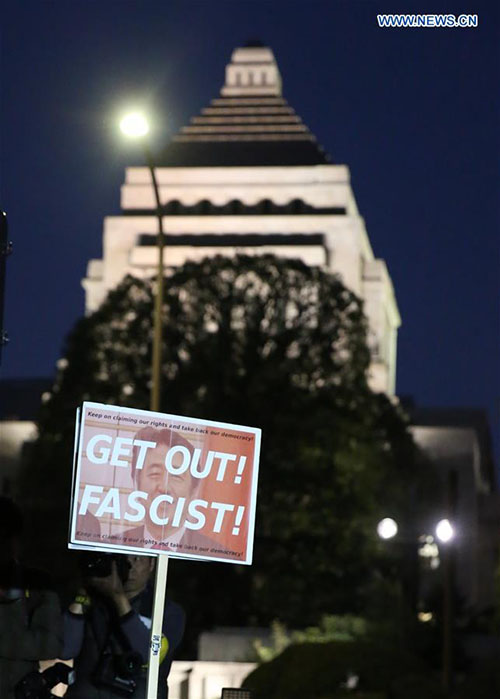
247 176
457 441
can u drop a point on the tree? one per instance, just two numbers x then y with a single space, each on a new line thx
258 341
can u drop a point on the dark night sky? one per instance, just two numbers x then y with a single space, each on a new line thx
414 113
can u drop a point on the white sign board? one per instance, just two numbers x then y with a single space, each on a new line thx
155 483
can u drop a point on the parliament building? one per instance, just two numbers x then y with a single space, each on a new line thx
247 176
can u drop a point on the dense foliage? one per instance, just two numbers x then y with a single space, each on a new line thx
380 669
323 671
259 341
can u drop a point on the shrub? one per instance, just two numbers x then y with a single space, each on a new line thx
318 670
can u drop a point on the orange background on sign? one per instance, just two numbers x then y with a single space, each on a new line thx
226 491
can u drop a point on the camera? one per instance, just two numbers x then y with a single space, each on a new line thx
37 685
117 671
99 565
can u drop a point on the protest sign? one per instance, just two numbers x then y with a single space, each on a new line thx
149 482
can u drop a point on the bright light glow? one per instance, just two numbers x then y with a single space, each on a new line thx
134 125
428 548
425 616
387 528
444 531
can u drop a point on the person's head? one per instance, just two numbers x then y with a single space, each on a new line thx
153 478
165 439
139 573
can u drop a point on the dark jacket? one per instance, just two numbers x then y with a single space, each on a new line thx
96 638
30 630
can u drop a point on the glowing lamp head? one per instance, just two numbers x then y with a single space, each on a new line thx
444 531
387 528
134 125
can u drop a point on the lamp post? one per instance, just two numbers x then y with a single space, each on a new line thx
135 125
387 528
446 535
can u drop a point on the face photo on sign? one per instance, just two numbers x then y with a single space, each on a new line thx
154 479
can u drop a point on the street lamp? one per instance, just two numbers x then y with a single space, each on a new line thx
445 531
446 534
387 528
135 125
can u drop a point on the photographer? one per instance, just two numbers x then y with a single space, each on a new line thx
30 615
107 629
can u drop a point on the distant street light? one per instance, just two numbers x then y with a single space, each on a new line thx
387 528
444 531
135 125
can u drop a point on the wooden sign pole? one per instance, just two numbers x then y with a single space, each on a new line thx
156 626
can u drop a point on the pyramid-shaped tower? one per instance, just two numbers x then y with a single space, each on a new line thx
247 176
249 124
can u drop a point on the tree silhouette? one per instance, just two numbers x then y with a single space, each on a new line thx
257 341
